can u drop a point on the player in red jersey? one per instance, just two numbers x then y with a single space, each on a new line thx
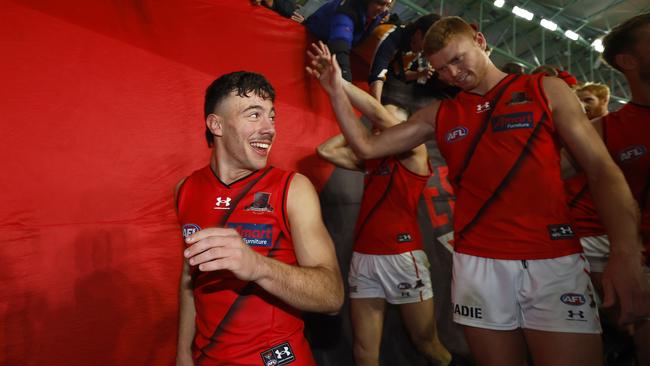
519 278
388 261
594 98
257 250
626 132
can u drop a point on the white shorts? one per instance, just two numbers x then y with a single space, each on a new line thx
400 279
596 249
553 295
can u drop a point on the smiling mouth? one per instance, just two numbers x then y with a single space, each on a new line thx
461 78
261 148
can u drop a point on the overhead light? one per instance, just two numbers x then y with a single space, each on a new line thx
548 24
597 44
622 101
572 35
520 12
499 3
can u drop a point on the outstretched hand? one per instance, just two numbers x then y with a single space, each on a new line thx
324 67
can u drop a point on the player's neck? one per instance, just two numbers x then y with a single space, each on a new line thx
640 91
491 78
225 171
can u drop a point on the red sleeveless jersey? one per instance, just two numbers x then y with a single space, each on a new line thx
237 322
581 205
387 222
503 157
627 136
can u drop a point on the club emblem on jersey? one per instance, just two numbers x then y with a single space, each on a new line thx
518 97
278 355
222 203
456 134
189 229
632 153
482 107
260 203
559 232
512 121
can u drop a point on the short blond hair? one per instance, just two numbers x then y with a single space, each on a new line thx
601 91
443 31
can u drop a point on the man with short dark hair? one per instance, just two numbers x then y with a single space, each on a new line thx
257 252
519 279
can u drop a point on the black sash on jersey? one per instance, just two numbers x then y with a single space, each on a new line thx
506 180
484 126
247 289
574 201
379 201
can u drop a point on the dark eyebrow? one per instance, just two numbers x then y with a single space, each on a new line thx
252 107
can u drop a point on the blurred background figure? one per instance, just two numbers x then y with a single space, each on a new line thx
343 24
286 8
594 98
513 68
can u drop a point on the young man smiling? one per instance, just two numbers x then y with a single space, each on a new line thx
257 252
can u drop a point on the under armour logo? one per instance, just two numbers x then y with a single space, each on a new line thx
566 230
282 353
224 202
563 231
482 107
579 313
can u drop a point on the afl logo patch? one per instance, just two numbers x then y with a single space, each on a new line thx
189 229
456 134
632 153
573 299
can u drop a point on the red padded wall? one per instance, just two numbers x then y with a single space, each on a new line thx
101 115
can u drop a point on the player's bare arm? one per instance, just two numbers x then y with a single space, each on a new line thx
365 145
187 311
623 278
186 315
336 151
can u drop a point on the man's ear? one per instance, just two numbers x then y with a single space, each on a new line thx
214 123
479 38
626 61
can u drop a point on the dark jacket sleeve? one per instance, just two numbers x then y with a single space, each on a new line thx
342 51
385 54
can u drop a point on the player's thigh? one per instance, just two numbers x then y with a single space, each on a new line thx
367 316
491 347
419 319
559 348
